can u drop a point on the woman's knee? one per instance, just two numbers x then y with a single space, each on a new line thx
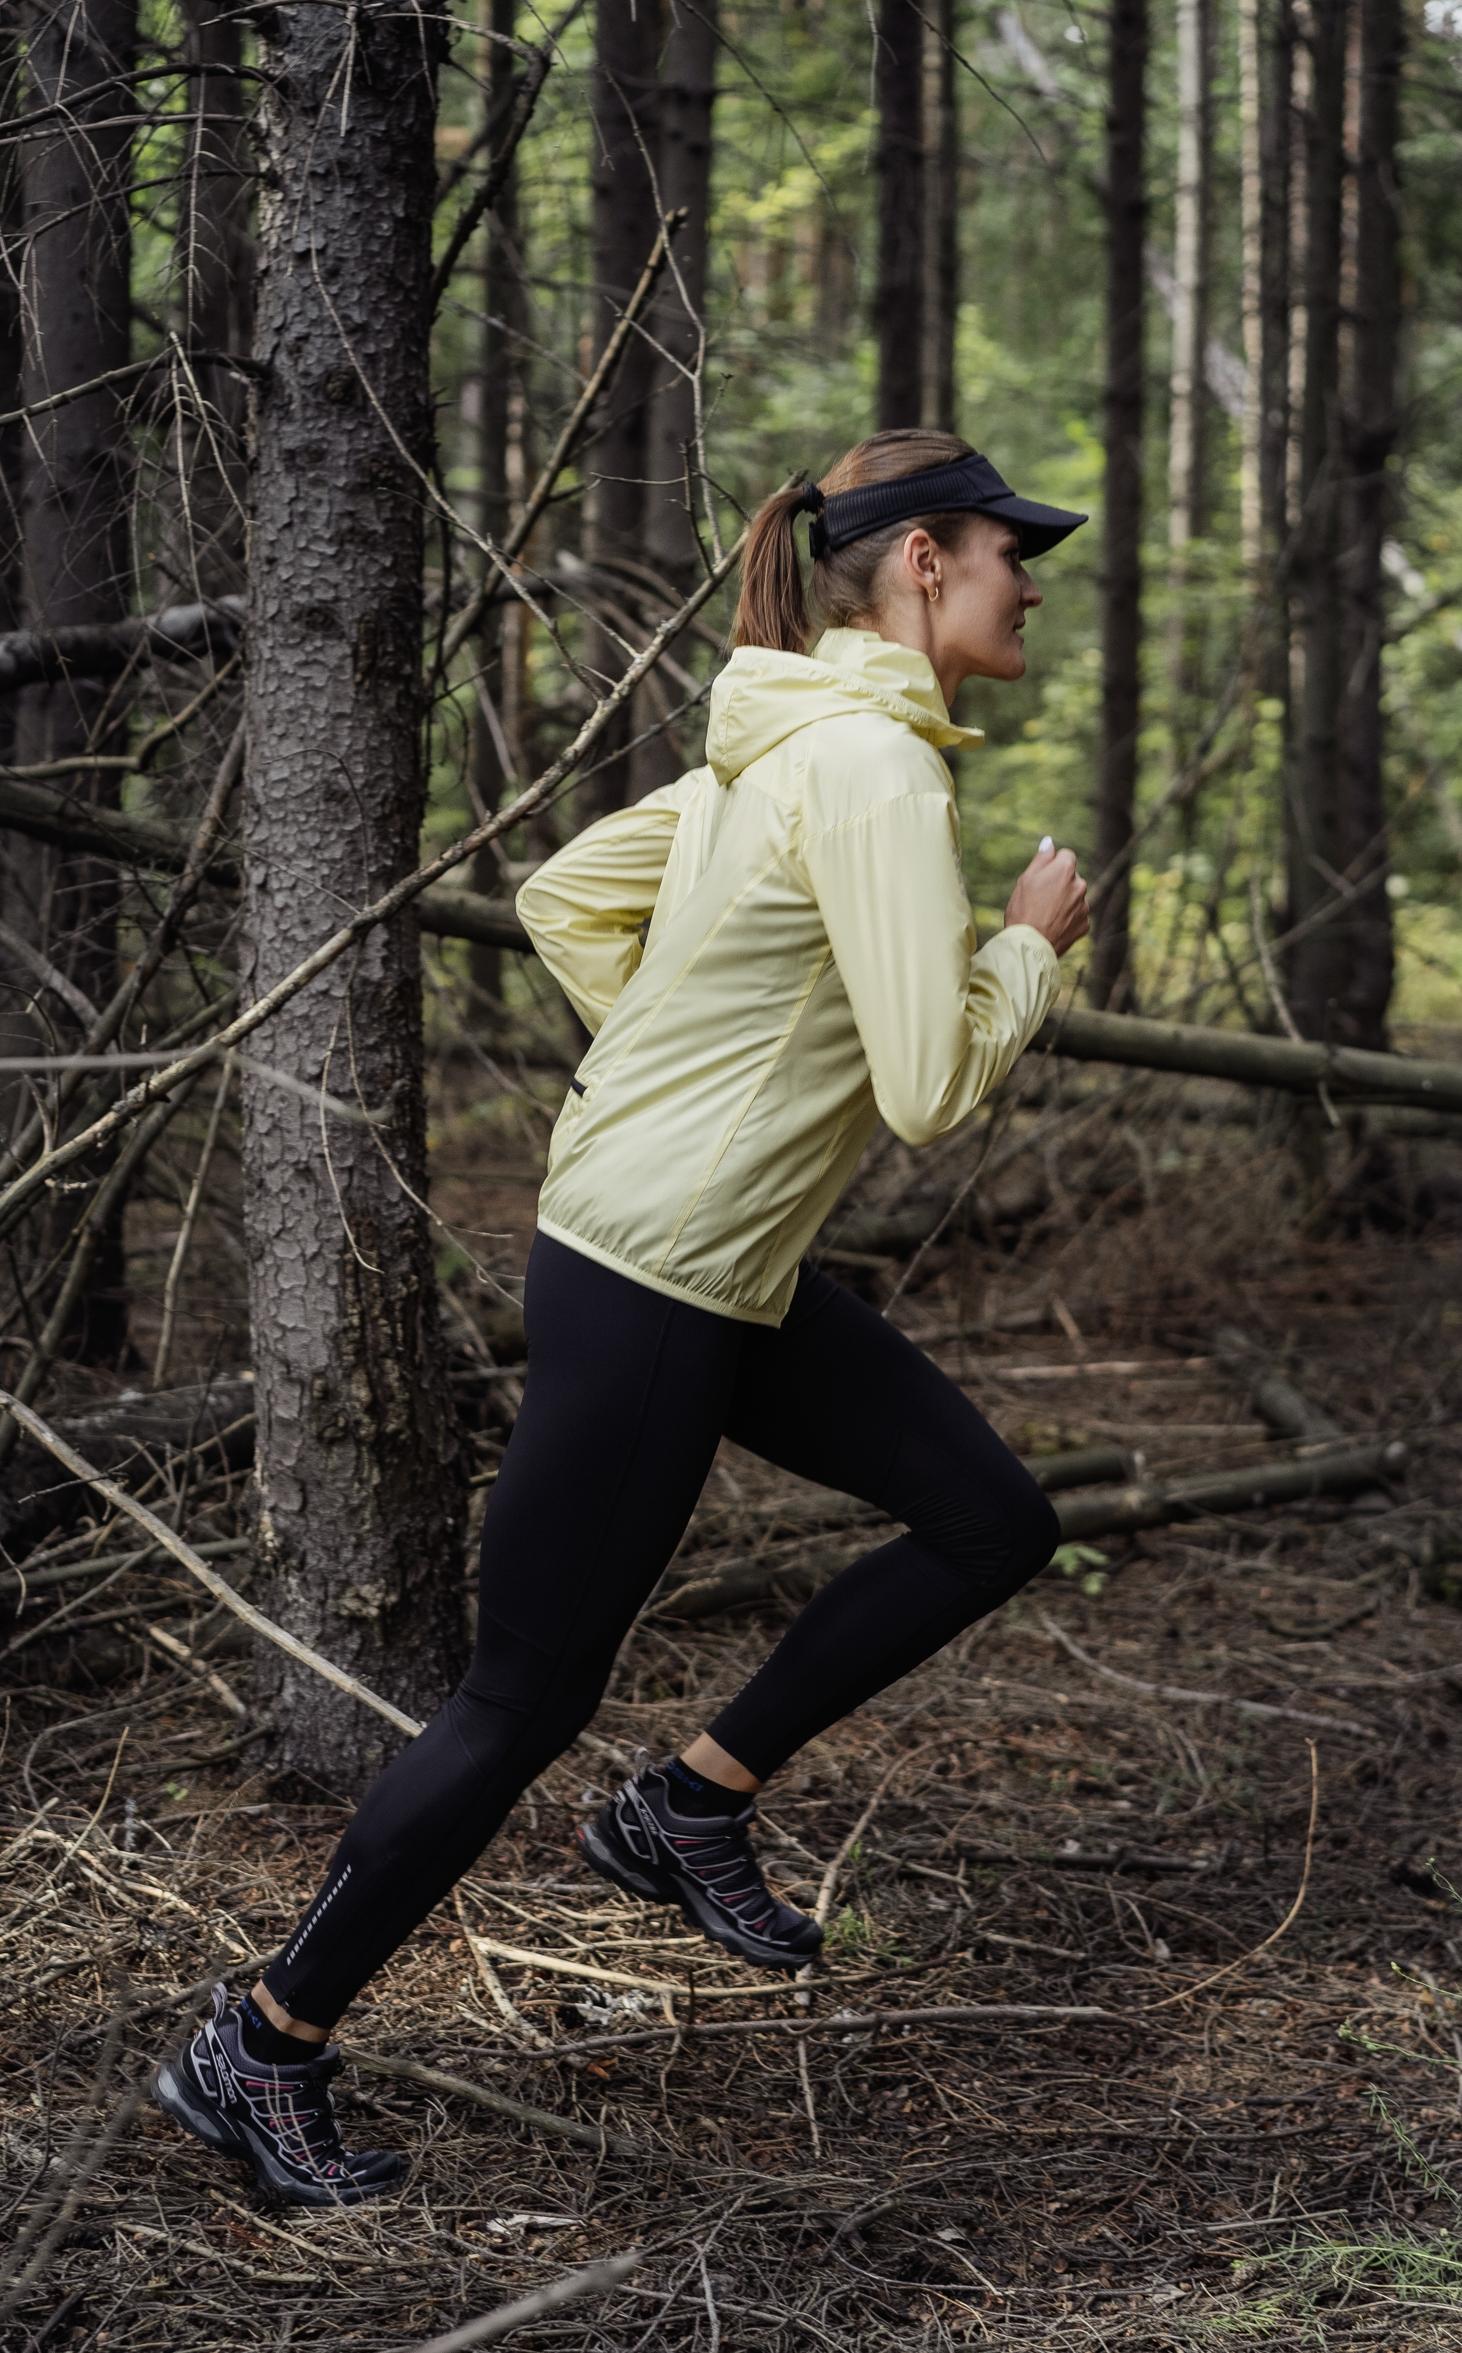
1009 1537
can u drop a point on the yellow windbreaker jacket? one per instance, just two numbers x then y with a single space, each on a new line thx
809 965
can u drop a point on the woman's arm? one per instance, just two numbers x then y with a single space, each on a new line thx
583 907
940 1021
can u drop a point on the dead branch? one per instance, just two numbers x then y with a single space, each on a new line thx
436 2079
1103 1512
592 2280
173 1543
104 649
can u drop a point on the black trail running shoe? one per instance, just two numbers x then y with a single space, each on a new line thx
703 1863
279 2119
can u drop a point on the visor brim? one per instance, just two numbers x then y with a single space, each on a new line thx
1040 527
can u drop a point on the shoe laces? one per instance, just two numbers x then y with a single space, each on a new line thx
719 1858
295 2104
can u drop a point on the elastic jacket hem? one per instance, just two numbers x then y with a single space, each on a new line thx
637 1274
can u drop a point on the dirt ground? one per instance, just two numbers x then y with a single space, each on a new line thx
1139 2021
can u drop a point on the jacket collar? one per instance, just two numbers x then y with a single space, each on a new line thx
896 676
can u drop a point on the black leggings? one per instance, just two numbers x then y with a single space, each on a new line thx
627 1393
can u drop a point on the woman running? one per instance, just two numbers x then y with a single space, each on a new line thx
770 954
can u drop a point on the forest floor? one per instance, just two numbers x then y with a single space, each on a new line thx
1200 1792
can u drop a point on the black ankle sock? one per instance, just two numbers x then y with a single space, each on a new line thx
694 1793
267 2043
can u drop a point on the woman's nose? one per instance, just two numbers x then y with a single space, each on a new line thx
1030 594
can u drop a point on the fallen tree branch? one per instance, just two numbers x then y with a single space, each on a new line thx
1148 1504
401 894
1106 1511
1245 1057
435 2079
493 2326
104 649
1208 1699
218 1415
183 1552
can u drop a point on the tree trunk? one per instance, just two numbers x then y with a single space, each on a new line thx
677 315
1367 954
1109 978
75 305
899 294
944 203
12 83
1188 412
1312 959
215 301
1266 35
625 132
677 323
502 329
358 1478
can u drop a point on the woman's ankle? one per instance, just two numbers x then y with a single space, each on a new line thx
706 1757
275 2014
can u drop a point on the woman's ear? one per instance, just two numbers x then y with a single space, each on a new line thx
921 559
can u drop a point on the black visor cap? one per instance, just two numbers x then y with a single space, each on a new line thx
968 484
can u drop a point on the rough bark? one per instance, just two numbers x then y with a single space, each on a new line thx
358 1476
75 309
899 291
1371 427
1109 980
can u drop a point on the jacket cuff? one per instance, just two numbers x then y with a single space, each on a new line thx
1030 938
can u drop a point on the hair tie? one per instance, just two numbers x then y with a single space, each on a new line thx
812 500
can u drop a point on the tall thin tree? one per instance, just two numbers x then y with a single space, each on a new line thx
899 292
75 310
1313 950
1109 975
1188 389
625 134
1371 430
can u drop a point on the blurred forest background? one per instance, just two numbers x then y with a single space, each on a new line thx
383 396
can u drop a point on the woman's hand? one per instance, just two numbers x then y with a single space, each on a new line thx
1051 895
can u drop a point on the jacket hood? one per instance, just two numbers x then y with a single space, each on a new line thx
763 695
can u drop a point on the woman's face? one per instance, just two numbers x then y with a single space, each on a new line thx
972 629
984 594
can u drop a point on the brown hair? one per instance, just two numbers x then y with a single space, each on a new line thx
772 608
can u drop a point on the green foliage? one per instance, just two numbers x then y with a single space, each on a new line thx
790 383
1080 1561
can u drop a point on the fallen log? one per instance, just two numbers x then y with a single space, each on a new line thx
1293 1066
1280 1405
154 847
1107 1511
213 1417
104 649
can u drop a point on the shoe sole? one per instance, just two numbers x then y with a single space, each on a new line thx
170 2094
635 1881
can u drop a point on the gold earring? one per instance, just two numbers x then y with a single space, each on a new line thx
933 593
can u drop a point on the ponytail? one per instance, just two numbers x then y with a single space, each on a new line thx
772 608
